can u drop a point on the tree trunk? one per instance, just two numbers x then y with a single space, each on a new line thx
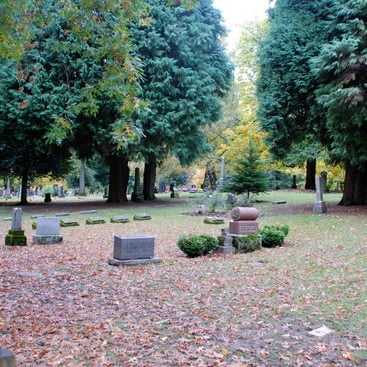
23 193
150 169
310 174
355 186
118 179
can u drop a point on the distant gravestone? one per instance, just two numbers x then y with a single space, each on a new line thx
68 222
7 358
47 231
319 205
133 250
95 220
88 211
16 222
119 219
137 194
15 236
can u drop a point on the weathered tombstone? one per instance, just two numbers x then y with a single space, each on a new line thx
95 220
68 222
137 194
47 231
319 206
119 219
142 216
15 236
7 358
133 250
225 243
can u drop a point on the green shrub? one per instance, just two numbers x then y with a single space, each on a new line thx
273 236
248 243
197 245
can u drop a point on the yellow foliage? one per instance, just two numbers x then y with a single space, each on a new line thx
237 142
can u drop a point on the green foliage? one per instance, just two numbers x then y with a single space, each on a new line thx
197 245
248 177
212 201
248 243
186 72
273 236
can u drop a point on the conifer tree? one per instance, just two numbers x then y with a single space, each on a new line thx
185 74
248 176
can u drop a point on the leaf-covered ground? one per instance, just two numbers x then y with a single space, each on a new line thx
63 305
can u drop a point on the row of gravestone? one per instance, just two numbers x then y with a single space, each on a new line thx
48 228
128 250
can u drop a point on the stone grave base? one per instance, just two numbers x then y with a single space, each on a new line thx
131 262
319 207
15 237
45 240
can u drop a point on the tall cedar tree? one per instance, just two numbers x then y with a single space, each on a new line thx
248 178
85 84
29 102
341 70
186 72
286 102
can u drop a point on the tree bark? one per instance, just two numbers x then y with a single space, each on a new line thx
355 186
23 193
118 179
310 174
150 169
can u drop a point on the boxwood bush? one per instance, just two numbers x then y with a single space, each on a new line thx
197 244
247 244
273 236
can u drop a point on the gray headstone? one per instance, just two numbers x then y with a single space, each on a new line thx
7 358
133 247
319 206
48 226
16 223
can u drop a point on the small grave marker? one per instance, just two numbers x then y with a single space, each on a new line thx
15 236
68 222
63 214
214 220
142 216
47 231
133 250
88 211
95 220
119 219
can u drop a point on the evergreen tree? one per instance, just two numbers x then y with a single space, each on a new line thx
248 177
341 70
185 74
285 88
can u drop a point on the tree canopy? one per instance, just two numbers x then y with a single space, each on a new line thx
313 83
185 74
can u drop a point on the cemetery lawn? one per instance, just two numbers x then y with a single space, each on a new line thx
63 305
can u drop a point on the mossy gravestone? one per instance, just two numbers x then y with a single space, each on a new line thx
15 236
